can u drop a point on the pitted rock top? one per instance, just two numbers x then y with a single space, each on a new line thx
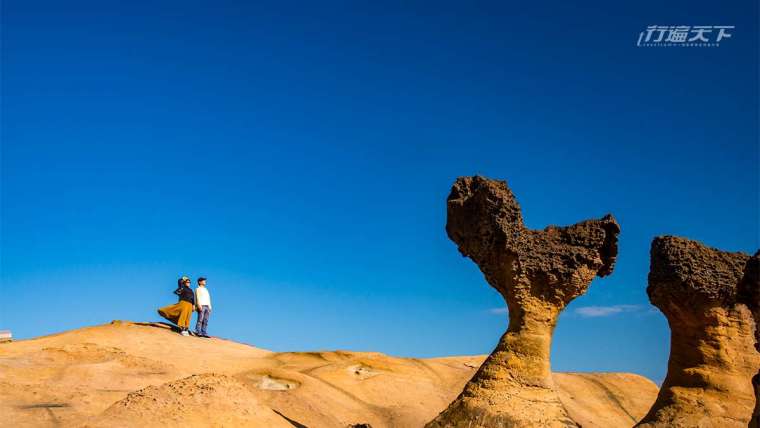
687 273
485 221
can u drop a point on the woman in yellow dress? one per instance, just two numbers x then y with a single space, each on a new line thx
181 312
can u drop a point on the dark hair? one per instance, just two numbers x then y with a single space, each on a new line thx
202 278
180 282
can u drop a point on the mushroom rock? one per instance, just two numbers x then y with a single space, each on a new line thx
704 295
538 272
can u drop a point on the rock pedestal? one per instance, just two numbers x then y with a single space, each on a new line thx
538 273
713 358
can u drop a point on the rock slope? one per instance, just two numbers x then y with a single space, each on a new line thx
141 374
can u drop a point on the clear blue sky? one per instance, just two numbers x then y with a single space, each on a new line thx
300 156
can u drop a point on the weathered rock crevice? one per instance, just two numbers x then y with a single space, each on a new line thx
538 272
749 292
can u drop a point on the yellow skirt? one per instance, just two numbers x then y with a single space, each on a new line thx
178 313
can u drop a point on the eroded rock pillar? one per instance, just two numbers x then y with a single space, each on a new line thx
712 356
538 273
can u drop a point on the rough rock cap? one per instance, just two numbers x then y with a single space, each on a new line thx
483 216
485 221
686 272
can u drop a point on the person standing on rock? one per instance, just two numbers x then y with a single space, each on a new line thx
181 312
203 306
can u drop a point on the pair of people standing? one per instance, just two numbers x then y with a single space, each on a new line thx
181 312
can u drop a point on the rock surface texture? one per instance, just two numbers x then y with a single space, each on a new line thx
708 301
750 293
121 375
538 273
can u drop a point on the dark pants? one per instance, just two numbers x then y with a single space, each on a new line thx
200 325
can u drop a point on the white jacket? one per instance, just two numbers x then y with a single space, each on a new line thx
202 298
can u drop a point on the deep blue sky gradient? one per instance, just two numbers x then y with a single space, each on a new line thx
299 155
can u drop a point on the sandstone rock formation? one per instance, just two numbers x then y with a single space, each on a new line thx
538 273
202 400
750 293
707 302
121 375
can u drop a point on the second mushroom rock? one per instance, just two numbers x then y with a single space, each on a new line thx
538 272
708 297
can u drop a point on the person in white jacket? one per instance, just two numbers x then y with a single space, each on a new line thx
203 306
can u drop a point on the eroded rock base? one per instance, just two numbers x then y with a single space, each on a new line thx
528 407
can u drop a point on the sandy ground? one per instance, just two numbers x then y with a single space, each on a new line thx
141 374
